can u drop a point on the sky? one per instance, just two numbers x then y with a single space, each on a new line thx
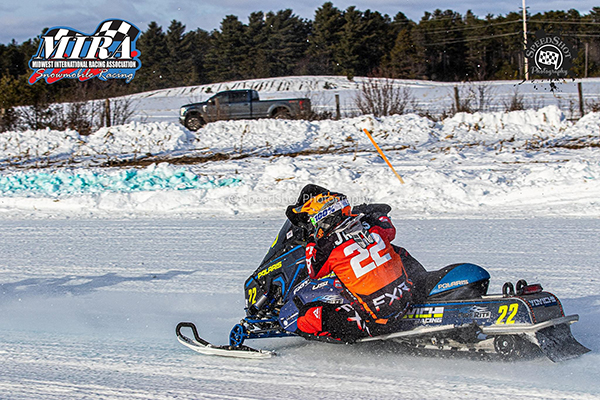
25 19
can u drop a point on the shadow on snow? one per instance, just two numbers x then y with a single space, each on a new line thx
78 284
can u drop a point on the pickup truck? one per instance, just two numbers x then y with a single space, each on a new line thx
240 104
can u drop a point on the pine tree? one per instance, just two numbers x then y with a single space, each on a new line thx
202 44
256 65
229 49
180 62
153 51
508 50
364 41
445 51
324 39
347 55
406 57
479 52
13 60
285 44
376 41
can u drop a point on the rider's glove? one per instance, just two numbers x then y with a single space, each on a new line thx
354 228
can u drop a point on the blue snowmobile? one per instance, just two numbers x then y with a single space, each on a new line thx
453 311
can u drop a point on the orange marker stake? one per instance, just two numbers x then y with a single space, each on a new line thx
383 155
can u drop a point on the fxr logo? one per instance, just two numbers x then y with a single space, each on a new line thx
396 295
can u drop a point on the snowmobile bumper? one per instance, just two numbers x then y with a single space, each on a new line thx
552 337
522 328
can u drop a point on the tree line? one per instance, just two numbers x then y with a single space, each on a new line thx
442 46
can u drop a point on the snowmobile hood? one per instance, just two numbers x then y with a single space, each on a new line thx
461 275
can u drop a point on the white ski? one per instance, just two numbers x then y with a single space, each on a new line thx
204 347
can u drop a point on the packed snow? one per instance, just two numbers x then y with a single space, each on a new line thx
109 240
89 309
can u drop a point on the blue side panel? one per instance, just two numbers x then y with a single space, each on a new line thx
280 280
324 289
461 275
301 266
288 317
249 281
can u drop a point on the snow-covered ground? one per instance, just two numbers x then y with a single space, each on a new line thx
497 164
431 97
98 263
89 308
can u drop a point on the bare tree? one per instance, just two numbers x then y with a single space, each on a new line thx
80 116
381 97
593 105
472 97
121 110
515 102
483 95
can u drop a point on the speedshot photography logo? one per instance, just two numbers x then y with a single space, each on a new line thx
550 56
108 53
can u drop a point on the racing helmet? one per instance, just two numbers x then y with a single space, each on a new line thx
322 212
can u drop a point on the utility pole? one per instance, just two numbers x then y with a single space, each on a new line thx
586 57
526 61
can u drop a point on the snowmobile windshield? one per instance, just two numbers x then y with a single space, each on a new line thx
288 237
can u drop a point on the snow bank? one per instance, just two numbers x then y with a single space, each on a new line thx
36 144
501 164
441 186
136 138
496 126
269 137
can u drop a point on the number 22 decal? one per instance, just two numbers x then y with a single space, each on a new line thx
252 296
364 254
504 310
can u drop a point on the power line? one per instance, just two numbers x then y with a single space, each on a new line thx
578 35
473 39
543 21
501 35
474 27
485 25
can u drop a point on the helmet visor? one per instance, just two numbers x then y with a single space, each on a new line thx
321 220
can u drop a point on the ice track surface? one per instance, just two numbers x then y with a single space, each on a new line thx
88 310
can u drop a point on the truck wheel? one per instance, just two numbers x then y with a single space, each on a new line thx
282 113
194 122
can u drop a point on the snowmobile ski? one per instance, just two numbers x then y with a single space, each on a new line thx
204 347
